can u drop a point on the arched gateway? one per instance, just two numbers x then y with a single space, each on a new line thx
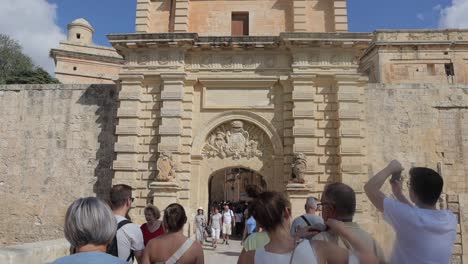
235 140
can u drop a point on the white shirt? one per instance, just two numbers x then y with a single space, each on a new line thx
422 235
227 217
129 237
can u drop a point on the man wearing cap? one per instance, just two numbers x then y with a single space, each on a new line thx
228 223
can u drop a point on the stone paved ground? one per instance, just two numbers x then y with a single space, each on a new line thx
223 254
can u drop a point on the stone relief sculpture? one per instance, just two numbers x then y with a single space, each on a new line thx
299 167
234 141
166 168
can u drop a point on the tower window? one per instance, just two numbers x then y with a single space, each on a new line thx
449 69
78 36
240 24
74 68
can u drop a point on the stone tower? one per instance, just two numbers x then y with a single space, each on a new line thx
80 31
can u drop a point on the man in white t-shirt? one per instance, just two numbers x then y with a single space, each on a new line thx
129 236
228 223
423 233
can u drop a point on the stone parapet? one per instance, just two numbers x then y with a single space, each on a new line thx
35 253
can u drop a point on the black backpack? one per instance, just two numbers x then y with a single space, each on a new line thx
113 248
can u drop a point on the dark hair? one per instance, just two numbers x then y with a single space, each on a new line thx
119 195
174 217
343 198
426 184
268 209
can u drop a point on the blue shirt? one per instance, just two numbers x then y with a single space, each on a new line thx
92 257
251 225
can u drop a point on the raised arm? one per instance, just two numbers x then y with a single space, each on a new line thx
398 192
373 186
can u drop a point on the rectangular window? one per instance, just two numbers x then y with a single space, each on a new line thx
431 69
240 24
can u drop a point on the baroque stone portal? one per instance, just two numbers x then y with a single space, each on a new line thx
234 141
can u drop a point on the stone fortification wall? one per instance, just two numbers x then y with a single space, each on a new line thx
420 125
56 144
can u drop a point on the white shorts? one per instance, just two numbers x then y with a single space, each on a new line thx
215 233
227 229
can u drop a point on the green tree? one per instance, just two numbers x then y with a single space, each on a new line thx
18 68
31 76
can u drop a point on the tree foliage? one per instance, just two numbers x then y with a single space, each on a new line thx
18 68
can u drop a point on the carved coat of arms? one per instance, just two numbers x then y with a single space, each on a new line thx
233 141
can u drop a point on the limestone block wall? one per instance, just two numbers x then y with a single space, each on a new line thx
420 125
56 144
266 17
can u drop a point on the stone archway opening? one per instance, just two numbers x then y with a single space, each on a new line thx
234 185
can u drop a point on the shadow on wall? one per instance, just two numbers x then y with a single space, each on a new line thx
104 97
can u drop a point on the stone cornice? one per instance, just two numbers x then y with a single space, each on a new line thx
122 42
421 38
54 53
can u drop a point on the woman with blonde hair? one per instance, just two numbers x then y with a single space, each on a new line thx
153 226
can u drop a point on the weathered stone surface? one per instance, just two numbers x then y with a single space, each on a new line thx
35 253
56 144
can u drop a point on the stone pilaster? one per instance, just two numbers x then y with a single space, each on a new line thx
142 16
165 193
340 12
128 129
303 117
186 142
297 194
299 15
288 139
181 16
171 126
352 151
126 165
326 117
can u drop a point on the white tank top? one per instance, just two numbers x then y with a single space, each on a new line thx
304 254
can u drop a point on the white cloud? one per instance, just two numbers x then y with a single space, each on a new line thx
454 16
32 24
437 7
420 16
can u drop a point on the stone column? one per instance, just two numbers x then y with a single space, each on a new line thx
340 12
352 150
299 15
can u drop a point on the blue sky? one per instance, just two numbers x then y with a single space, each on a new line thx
364 15
39 25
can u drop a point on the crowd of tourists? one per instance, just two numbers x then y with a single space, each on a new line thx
99 232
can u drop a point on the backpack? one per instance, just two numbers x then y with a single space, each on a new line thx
113 248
